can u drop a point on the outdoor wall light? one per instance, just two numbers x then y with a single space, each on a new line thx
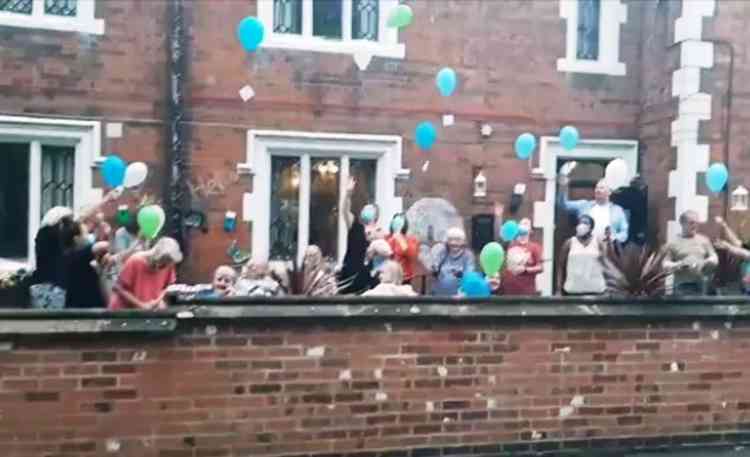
480 185
739 199
486 130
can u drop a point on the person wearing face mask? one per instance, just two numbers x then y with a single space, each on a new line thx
691 257
451 261
610 220
354 271
145 277
405 247
82 262
581 267
522 263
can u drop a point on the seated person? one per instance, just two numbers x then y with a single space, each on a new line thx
691 257
256 281
222 285
391 282
146 276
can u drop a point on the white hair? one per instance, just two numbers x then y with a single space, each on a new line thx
167 247
55 215
455 232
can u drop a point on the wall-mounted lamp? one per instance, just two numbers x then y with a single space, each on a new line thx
516 199
739 199
486 130
480 185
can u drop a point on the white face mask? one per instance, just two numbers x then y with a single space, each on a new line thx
582 230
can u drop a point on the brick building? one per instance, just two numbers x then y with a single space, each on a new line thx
658 83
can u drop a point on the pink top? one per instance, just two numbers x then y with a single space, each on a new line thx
144 282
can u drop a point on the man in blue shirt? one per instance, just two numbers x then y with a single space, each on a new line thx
610 221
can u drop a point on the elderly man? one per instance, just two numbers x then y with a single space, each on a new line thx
691 256
610 221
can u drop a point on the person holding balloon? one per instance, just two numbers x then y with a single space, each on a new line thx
523 262
610 220
451 262
405 247
581 266
145 277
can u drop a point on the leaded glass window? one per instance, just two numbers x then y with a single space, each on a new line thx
16 6
67 8
58 171
287 16
327 21
589 15
365 20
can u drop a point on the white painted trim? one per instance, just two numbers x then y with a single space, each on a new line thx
613 13
262 144
386 46
84 22
84 135
550 151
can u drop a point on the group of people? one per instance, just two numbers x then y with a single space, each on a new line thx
81 263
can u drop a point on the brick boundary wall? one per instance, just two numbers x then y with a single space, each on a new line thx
414 386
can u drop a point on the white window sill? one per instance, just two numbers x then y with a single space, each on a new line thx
48 22
12 265
316 44
591 66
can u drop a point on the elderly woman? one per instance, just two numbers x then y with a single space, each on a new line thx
318 280
256 281
450 262
145 277
391 282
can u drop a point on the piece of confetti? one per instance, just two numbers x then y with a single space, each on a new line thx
425 166
247 93
448 120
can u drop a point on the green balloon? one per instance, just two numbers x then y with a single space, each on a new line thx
492 258
400 16
151 220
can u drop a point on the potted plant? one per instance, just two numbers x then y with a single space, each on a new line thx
635 272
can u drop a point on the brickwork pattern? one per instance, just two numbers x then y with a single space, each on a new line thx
375 388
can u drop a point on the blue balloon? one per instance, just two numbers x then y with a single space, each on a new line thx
367 214
525 145
474 284
250 32
569 137
113 171
446 81
509 231
716 177
425 135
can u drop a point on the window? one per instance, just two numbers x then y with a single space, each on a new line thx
342 26
298 182
593 36
43 163
63 15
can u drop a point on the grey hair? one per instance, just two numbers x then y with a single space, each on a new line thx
55 215
167 247
455 232
392 273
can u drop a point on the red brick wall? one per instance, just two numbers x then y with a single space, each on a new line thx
333 387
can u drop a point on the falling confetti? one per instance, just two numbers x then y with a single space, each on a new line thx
425 166
448 120
247 93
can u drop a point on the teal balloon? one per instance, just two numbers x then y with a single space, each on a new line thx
446 81
525 145
509 231
367 214
492 258
717 177
475 285
113 171
569 137
425 135
250 33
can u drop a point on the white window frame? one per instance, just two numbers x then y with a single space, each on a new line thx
386 46
612 14
263 144
550 151
85 136
84 21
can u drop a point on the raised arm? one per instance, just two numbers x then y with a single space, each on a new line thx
571 206
346 203
729 233
740 253
89 212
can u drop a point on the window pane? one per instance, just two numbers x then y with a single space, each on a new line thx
327 18
287 16
364 172
365 20
324 204
588 29
61 7
58 166
285 179
14 200
16 6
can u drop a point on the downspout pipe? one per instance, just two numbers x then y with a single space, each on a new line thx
177 163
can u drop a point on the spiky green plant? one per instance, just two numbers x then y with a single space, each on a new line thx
635 271
311 281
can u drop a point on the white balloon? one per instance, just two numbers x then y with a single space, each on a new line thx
617 174
135 174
